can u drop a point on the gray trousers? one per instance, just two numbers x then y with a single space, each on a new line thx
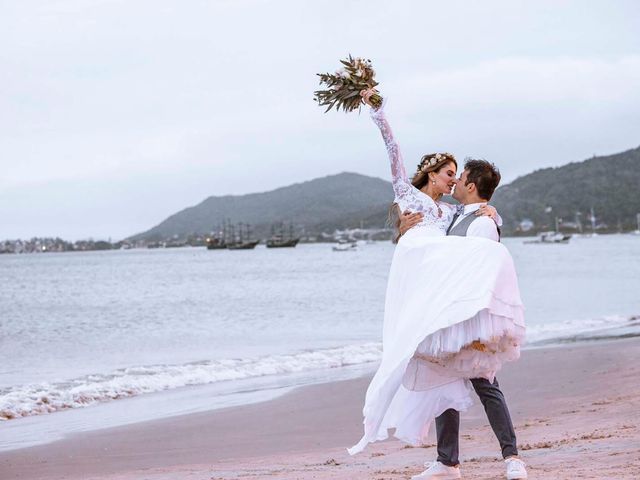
448 424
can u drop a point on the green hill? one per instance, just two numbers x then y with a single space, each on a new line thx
323 204
610 185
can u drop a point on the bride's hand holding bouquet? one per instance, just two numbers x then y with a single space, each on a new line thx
367 96
349 87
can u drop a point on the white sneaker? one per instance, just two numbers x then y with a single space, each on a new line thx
515 469
438 471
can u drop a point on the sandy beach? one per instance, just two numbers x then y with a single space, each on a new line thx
575 409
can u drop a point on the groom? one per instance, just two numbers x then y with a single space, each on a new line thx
473 189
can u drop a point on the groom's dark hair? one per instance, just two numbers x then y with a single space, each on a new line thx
484 175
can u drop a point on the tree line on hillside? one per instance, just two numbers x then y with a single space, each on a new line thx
607 186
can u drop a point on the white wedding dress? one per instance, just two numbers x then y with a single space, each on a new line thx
443 294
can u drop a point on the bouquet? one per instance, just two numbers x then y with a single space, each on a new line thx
344 86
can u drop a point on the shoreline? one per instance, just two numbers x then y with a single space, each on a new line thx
584 413
190 398
43 429
56 245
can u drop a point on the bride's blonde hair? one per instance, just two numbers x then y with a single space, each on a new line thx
431 162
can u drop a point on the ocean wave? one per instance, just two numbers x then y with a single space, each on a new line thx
38 399
548 333
42 398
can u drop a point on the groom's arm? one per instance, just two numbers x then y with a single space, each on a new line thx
484 227
408 220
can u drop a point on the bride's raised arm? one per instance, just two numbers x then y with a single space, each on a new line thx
399 180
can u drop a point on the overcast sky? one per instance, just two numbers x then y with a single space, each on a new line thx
116 114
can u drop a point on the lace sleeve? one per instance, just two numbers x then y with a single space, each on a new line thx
401 185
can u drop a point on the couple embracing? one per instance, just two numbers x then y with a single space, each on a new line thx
453 313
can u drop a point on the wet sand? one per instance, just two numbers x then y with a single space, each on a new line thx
576 410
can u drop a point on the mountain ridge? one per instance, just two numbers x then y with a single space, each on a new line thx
319 201
609 184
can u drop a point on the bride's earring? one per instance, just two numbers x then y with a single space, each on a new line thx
434 182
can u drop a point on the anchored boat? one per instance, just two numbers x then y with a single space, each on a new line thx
551 237
280 239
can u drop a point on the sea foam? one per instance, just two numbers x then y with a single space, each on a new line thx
42 398
580 328
37 399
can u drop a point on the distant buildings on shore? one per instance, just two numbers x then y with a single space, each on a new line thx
49 245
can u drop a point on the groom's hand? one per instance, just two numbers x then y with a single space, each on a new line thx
408 220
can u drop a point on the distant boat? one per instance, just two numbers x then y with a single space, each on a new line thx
232 237
241 240
280 240
551 238
278 243
218 238
215 243
249 245
345 247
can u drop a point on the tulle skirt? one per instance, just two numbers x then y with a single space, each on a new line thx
453 312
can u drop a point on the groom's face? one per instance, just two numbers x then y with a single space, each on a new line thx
460 190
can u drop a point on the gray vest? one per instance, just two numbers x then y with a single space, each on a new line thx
463 225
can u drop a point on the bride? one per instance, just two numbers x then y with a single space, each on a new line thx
452 311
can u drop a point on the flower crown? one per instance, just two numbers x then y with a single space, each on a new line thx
426 164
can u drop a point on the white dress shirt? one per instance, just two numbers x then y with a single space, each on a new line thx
483 227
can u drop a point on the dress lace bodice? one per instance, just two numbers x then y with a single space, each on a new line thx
407 196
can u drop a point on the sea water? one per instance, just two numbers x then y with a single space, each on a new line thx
142 334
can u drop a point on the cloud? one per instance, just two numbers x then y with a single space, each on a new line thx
208 98
520 81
